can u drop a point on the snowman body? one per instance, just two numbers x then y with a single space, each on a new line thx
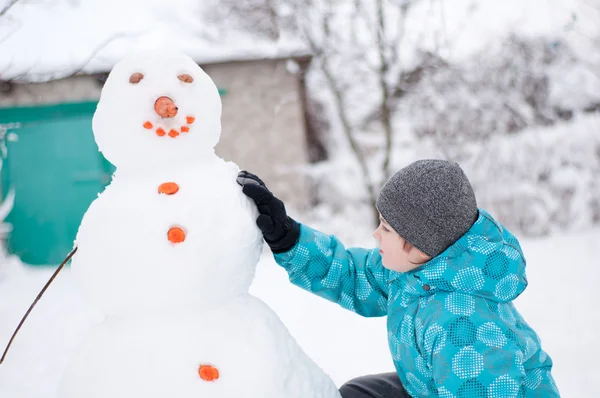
160 355
125 262
168 252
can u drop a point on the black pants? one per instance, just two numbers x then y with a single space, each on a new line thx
385 385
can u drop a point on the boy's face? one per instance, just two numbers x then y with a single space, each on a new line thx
396 253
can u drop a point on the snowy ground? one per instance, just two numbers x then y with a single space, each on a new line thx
560 303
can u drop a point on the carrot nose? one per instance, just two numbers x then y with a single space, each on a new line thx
165 107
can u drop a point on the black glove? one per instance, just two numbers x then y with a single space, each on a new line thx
280 231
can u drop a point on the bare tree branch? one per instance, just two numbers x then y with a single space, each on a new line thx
101 47
60 267
17 24
395 50
358 6
385 89
8 7
388 58
26 75
341 106
273 18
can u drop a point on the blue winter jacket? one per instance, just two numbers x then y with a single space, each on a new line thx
452 328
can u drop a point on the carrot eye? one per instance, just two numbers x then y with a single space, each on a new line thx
136 78
185 78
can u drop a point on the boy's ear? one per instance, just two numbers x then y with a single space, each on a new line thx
422 256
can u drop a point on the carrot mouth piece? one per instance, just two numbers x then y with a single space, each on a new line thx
173 132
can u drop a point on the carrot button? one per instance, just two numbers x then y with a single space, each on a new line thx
173 133
190 119
185 129
176 235
168 188
160 132
148 125
208 373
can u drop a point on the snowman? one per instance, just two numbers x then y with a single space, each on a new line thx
168 251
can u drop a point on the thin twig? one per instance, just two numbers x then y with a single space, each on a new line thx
35 302
26 76
99 48
8 7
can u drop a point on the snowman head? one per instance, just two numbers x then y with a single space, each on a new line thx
156 109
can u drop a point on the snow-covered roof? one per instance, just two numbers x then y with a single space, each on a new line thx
40 41
45 39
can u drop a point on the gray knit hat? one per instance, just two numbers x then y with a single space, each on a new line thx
430 203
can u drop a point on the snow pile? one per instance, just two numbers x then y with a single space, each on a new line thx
555 305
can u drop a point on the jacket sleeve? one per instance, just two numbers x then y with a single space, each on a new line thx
354 278
477 360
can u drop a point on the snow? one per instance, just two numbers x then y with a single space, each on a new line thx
94 35
468 26
562 270
552 172
563 277
507 69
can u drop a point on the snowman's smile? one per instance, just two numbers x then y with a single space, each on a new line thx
172 132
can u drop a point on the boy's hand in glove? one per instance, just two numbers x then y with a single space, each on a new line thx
279 231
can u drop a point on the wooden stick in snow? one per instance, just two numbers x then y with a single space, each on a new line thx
60 267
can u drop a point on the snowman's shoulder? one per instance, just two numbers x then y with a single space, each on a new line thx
96 211
214 166
102 199
229 167
218 172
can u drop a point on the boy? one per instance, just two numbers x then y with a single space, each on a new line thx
445 274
